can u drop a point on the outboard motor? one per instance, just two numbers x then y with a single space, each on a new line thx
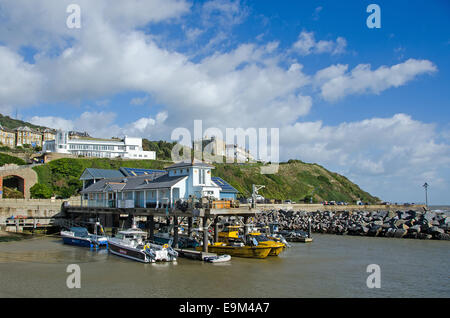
172 252
150 253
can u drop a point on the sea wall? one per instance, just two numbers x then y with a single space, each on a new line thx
419 224
32 207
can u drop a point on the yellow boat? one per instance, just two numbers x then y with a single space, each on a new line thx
276 247
238 250
230 243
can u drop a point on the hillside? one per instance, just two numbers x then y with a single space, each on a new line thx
12 123
295 179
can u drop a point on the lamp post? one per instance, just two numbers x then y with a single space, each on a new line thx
426 193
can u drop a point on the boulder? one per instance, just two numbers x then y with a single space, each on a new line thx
429 216
436 230
399 233
414 229
443 236
374 230
424 236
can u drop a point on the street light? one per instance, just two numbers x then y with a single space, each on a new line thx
426 193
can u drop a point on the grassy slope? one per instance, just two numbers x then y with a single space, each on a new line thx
12 123
5 159
294 180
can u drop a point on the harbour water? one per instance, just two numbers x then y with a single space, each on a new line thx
331 266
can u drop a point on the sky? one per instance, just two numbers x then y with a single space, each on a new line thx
369 103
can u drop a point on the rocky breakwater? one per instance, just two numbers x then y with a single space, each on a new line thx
399 224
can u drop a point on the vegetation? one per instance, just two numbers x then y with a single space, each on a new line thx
6 159
61 176
10 193
11 123
162 148
295 180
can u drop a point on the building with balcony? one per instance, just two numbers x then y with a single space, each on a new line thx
126 148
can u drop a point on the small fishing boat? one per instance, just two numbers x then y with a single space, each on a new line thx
217 259
231 243
132 244
80 236
263 240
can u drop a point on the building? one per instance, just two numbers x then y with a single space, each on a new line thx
127 148
7 137
48 134
218 147
151 188
27 136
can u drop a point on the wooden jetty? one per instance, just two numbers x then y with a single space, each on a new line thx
206 214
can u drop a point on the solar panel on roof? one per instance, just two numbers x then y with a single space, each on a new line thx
226 187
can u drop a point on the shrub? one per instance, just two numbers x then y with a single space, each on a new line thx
41 191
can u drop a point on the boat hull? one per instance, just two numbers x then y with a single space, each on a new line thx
240 251
127 252
77 241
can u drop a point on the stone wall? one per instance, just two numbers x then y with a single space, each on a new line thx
32 207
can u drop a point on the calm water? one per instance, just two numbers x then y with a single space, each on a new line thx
332 266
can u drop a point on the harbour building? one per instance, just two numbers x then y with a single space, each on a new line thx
126 148
142 188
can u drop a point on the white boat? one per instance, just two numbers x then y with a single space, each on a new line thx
132 244
217 259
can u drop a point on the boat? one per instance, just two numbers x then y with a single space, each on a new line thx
263 240
230 243
80 236
132 244
187 242
217 259
297 236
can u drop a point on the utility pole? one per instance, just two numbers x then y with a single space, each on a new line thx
426 193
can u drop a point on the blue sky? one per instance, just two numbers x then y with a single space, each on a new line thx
372 104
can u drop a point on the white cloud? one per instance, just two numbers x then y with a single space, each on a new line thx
20 82
306 44
335 82
396 151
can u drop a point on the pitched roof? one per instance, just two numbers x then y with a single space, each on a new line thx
93 173
134 183
138 171
224 186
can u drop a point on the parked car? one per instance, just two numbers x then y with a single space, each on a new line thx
287 201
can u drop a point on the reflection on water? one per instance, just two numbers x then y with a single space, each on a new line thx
332 266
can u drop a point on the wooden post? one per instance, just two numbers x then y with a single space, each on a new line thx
175 231
190 226
151 226
216 229
205 234
245 228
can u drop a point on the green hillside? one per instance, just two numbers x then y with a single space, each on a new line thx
295 180
6 159
12 123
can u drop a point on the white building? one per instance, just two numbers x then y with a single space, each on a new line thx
154 189
218 147
127 148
